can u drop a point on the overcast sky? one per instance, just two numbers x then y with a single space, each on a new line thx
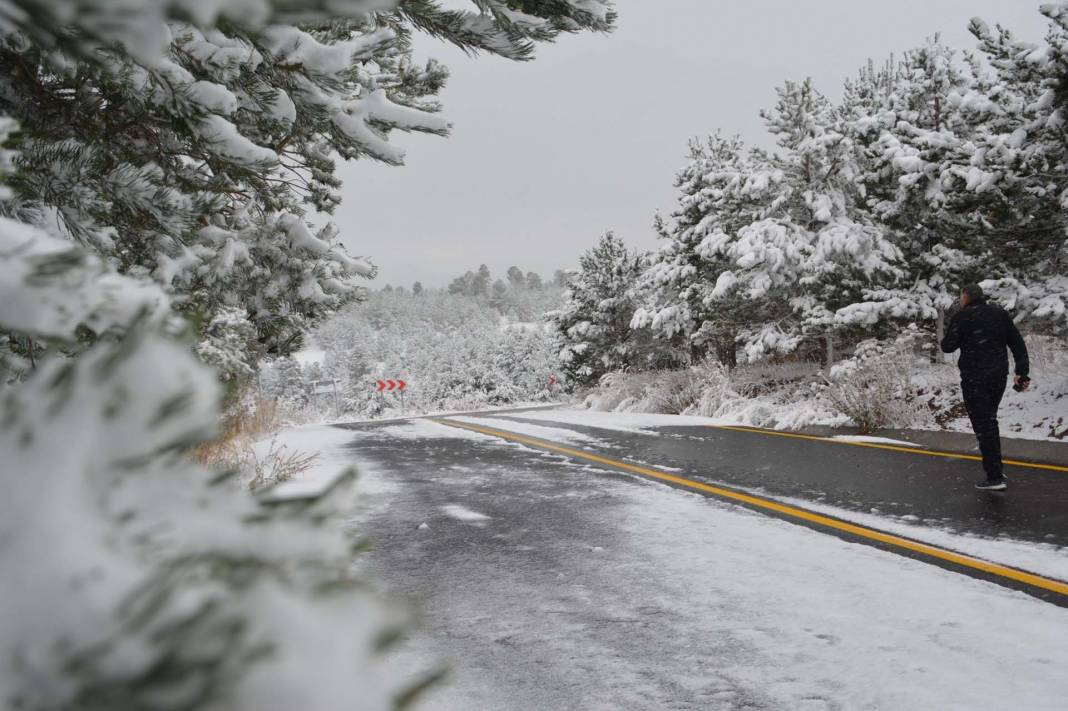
546 155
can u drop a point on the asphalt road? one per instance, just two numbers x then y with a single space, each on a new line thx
551 581
936 490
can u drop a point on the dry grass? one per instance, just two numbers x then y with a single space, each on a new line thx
232 450
245 424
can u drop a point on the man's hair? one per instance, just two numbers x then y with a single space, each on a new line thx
974 292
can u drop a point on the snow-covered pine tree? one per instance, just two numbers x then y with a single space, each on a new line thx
200 168
594 325
204 165
515 277
832 250
289 385
165 586
463 284
911 182
482 282
498 294
1016 180
686 290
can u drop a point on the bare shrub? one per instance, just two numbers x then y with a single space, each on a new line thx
618 391
874 388
671 392
276 466
762 377
1048 355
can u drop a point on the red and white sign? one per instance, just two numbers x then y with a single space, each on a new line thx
390 385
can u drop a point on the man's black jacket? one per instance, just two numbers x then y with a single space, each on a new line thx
982 331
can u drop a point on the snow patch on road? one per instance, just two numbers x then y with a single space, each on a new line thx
874 440
461 513
633 422
552 434
424 429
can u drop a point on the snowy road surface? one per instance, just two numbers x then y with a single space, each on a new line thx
548 583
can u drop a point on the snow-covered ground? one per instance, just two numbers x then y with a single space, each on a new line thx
330 463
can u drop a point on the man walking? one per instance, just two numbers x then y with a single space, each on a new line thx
982 331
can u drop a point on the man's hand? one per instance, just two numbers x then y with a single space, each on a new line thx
1020 383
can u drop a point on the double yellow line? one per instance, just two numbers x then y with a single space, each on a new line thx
789 512
889 447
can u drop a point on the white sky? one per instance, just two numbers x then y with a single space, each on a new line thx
546 155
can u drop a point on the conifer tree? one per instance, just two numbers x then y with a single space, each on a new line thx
201 157
688 289
1016 177
594 325
911 185
515 277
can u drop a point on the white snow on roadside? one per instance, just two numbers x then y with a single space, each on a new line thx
461 513
841 625
330 464
874 440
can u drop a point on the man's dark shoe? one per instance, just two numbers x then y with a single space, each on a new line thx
992 485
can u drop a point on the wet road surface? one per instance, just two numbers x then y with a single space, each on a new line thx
549 583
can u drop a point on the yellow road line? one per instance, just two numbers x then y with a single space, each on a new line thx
891 447
793 512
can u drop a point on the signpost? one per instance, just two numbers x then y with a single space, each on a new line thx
326 387
391 385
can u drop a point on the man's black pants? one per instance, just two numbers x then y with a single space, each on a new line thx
982 396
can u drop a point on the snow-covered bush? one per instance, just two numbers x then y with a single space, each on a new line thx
1048 355
873 388
275 465
693 390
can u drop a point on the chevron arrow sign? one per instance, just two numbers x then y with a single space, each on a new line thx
390 385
